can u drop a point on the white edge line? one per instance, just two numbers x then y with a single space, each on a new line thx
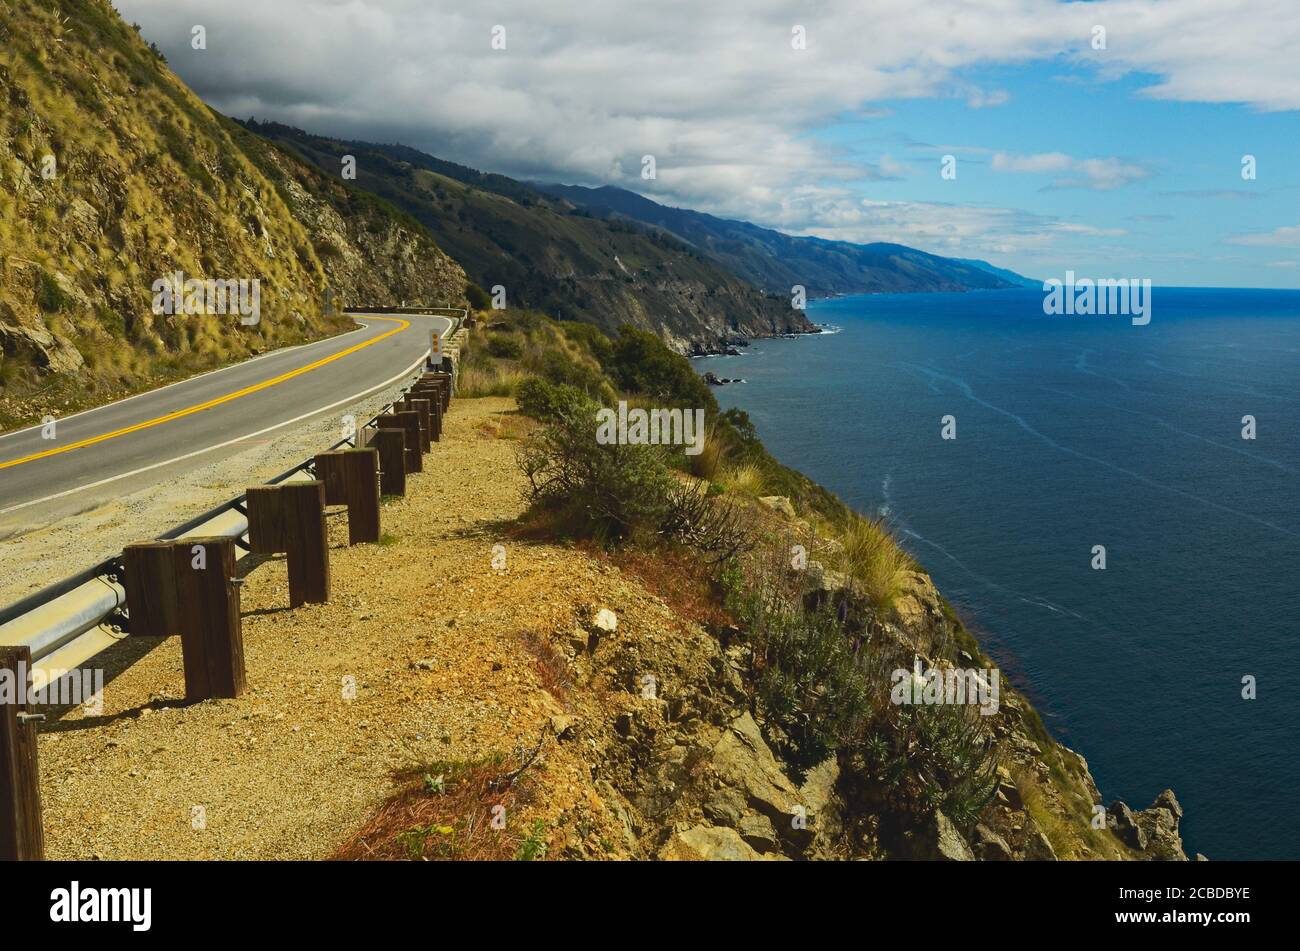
190 379
222 445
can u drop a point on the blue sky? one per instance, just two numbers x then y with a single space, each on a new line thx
1175 210
1123 161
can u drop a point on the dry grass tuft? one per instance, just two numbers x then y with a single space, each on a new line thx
445 812
745 479
875 561
551 666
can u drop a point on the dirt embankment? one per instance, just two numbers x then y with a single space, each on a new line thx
424 625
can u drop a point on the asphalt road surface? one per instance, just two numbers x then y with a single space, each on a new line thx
141 441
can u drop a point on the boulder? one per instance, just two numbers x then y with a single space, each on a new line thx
779 503
1119 819
39 348
758 833
939 840
1160 823
725 807
742 759
708 844
988 846
1038 848
1008 790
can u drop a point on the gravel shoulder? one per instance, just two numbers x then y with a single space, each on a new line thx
430 633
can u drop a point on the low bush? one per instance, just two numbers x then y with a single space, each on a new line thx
504 346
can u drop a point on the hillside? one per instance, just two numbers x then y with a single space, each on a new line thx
777 261
552 256
114 175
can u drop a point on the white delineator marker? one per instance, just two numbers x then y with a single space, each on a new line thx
435 348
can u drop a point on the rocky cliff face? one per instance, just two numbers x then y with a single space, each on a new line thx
113 175
688 774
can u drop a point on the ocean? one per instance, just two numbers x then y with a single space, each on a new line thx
1073 432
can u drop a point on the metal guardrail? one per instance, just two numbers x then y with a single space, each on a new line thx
68 623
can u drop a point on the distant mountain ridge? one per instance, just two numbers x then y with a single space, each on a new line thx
1011 277
549 255
776 261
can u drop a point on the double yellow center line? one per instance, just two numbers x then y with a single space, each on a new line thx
200 407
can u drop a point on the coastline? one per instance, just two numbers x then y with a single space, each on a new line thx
1155 828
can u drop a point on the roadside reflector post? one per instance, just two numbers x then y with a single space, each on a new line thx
361 486
212 639
150 583
391 445
21 835
307 542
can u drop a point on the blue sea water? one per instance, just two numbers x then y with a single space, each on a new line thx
1073 432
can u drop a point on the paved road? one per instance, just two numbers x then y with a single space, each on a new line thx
141 441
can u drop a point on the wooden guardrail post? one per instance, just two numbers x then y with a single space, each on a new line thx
391 445
267 525
307 542
435 411
361 486
150 583
420 405
432 393
411 422
444 379
443 382
331 471
212 640
21 835
435 383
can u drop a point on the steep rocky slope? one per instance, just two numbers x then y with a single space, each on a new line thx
550 255
113 175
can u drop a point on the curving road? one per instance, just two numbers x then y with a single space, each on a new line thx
108 451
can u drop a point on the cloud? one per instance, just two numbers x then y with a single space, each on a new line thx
1285 237
1102 174
714 91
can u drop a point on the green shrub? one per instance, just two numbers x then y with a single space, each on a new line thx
808 693
477 297
547 402
49 296
504 346
641 363
608 491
